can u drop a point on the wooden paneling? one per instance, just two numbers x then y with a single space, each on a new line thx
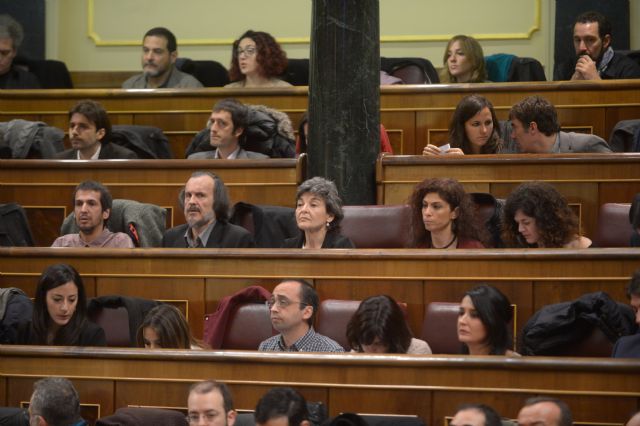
428 386
198 279
45 187
586 180
413 115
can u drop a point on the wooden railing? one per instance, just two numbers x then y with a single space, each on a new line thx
599 392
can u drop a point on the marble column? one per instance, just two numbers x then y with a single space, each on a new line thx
344 96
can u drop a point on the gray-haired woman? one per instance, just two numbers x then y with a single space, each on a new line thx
318 215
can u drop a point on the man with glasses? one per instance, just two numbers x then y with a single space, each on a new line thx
210 403
292 308
159 54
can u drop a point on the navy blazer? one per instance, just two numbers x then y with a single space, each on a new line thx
627 347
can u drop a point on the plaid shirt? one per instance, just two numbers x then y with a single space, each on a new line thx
310 342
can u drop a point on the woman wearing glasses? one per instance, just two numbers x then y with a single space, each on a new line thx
257 61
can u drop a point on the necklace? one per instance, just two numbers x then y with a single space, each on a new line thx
455 237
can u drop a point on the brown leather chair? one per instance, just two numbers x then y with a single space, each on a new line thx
248 326
614 229
133 416
439 329
115 323
377 226
333 317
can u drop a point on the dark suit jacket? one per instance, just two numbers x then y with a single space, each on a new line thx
108 151
333 239
627 347
223 235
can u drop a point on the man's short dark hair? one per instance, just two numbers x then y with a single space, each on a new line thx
207 386
221 202
604 26
308 296
10 28
566 419
172 44
56 401
106 201
282 402
633 289
491 417
538 109
96 114
238 111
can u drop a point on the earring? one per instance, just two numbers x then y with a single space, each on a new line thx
328 224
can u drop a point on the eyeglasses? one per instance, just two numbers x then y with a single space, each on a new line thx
195 418
282 302
248 51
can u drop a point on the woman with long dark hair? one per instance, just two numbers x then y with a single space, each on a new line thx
474 129
60 312
483 322
379 326
165 327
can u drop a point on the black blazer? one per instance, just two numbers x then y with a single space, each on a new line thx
108 151
627 347
223 235
333 239
92 335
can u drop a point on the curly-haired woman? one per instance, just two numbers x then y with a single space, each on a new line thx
537 215
257 61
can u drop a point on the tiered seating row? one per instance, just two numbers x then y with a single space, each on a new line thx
413 115
600 392
198 279
586 180
45 187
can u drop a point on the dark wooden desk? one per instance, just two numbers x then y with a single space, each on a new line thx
599 391
197 279
412 115
586 180
45 187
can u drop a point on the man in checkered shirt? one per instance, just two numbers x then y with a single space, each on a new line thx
293 307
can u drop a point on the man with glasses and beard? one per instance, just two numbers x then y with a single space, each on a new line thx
292 308
206 209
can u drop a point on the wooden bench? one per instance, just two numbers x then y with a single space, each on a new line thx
599 392
412 115
586 180
196 280
45 187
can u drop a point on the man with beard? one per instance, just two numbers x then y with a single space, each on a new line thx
596 59
206 210
90 135
92 207
159 54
